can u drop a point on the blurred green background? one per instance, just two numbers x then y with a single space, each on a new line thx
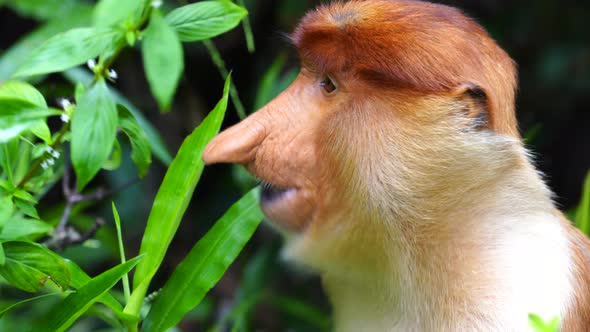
549 39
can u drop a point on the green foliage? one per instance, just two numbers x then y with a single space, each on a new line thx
205 19
539 325
64 314
29 265
19 115
94 128
112 12
140 144
66 50
172 199
205 264
162 59
33 159
582 216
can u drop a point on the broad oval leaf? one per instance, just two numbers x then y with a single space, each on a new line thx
22 90
140 144
29 265
17 115
173 198
205 19
157 144
162 59
20 228
94 128
205 264
66 50
25 91
111 12
64 314
19 52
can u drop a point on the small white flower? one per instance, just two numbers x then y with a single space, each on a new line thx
55 154
64 118
157 3
49 149
113 74
91 64
44 164
50 161
64 103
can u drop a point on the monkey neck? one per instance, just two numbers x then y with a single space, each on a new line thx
488 256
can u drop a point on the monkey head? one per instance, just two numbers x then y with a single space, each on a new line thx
400 108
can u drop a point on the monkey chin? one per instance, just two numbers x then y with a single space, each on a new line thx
286 207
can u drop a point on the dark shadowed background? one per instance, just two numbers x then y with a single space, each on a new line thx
548 39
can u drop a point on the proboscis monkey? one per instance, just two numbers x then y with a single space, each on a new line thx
394 166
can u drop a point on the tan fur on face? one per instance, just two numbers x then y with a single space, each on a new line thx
415 198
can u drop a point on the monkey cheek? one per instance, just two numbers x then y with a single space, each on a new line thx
289 211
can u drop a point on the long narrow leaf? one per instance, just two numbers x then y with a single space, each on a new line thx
65 313
205 264
583 212
172 200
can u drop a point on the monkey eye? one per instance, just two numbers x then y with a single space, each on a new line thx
328 85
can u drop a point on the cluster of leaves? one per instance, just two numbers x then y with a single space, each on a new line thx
33 158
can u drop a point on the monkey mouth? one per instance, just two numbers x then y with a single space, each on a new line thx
284 206
271 193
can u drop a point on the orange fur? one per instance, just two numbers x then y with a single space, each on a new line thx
408 188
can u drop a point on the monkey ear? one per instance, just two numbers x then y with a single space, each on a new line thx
476 103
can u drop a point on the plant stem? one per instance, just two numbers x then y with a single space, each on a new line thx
218 61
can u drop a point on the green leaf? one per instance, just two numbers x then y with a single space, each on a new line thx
16 55
140 145
29 265
126 290
66 50
539 325
205 19
111 12
114 160
9 153
94 128
162 59
17 115
80 278
64 314
45 9
172 200
27 208
24 195
14 305
23 91
2 258
6 209
21 228
583 212
205 264
156 142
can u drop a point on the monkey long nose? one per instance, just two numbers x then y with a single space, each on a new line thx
236 144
